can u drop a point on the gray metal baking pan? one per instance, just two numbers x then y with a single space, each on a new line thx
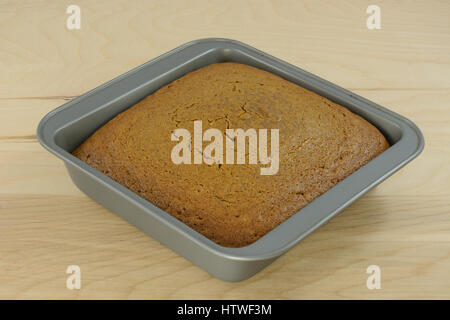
66 127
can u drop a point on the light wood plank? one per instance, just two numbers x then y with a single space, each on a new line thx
328 39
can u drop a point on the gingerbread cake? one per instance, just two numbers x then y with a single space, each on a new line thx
320 143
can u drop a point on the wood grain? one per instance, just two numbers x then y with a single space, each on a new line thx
46 223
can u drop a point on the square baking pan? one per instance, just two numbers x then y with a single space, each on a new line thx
66 127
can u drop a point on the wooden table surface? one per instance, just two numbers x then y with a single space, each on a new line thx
47 224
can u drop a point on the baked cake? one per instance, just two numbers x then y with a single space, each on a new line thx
320 143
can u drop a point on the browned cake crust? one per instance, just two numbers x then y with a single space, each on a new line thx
321 143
